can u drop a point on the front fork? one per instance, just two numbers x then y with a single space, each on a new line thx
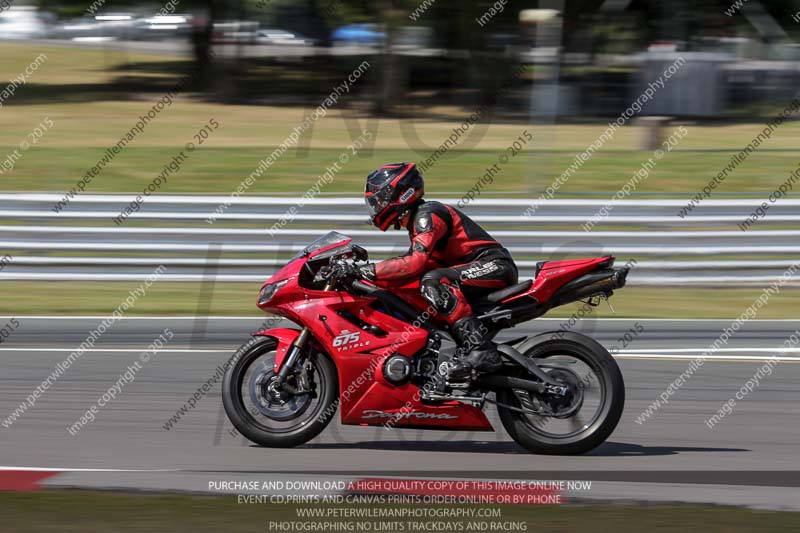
298 346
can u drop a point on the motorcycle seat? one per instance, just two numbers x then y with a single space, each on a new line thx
500 295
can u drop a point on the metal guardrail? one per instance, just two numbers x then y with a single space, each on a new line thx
287 201
83 243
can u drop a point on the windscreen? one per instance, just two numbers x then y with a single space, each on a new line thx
326 240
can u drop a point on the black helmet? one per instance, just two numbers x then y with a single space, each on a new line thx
391 191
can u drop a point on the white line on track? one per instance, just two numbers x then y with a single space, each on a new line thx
718 358
639 354
59 469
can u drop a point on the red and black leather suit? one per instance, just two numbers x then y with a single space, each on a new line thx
453 255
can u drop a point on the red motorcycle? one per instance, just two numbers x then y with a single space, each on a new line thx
379 354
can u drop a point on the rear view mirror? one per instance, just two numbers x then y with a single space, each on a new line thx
359 253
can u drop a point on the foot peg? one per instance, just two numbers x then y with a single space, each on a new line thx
482 356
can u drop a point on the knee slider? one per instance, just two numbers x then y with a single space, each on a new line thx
439 295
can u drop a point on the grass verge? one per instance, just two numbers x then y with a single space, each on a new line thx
238 299
216 169
74 89
102 512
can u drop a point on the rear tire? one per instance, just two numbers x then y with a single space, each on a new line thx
594 355
260 433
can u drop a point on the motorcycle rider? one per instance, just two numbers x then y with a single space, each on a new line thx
451 254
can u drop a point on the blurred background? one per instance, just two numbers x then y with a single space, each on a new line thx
210 140
80 75
438 52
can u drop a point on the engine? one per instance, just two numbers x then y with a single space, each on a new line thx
397 369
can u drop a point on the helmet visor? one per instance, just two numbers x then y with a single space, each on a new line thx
378 201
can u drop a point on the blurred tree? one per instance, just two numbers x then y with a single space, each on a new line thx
473 56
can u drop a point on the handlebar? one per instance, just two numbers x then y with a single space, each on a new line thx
362 287
327 273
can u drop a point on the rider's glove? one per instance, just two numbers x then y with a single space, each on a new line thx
346 271
367 272
350 271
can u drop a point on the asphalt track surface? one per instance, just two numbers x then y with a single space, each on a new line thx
750 457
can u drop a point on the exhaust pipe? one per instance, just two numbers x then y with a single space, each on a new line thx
600 282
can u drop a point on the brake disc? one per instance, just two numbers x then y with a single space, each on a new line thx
273 402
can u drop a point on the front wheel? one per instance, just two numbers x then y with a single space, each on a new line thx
278 417
585 417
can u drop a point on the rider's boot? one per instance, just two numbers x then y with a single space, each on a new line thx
474 351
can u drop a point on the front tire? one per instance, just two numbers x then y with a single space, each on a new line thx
277 426
532 432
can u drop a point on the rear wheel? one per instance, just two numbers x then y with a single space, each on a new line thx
581 420
278 417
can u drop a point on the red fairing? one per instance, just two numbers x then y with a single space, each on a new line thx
384 403
555 274
285 337
358 354
358 337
